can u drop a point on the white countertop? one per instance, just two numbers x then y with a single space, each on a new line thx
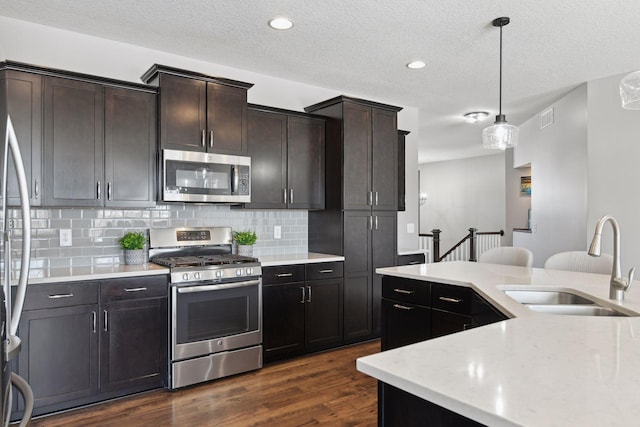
300 258
534 369
72 274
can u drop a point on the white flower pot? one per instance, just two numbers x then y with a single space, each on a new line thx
134 256
245 250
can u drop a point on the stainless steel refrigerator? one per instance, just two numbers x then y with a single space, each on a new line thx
11 312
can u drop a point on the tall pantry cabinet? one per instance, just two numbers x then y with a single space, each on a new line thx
360 216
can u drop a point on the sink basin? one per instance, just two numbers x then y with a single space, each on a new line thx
562 302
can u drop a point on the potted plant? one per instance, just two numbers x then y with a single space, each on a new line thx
245 241
133 245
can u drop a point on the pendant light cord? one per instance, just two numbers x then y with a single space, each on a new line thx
500 90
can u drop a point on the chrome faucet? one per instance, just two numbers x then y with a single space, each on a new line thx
618 285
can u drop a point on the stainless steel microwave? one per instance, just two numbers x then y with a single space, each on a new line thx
190 176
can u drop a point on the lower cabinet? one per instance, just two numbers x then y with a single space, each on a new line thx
83 342
302 309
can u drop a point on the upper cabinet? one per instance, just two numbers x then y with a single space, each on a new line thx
287 159
199 112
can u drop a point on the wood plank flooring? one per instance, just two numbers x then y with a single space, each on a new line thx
319 389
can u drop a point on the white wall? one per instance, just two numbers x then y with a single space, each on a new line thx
517 205
614 152
462 194
558 156
50 47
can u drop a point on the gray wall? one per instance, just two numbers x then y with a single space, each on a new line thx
516 205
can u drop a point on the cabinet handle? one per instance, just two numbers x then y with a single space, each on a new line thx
94 317
309 294
106 320
449 299
403 291
369 198
370 223
402 307
285 195
291 195
284 275
376 198
376 221
210 139
134 289
326 271
203 138
109 191
36 189
414 262
56 296
466 326
302 297
99 195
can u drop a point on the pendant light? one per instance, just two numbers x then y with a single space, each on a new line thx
501 135
630 91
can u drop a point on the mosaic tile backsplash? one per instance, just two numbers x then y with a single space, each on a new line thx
95 231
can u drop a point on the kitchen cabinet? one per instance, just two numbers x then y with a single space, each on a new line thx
402 135
21 98
200 112
83 342
359 220
411 259
302 309
287 159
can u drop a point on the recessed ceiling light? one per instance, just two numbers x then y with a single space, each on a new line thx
476 116
416 65
281 23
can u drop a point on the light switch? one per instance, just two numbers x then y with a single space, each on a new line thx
277 232
411 228
65 237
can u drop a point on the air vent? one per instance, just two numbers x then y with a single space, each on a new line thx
546 118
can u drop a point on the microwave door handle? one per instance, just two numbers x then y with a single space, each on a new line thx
235 178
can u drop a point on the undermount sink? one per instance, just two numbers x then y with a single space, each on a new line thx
563 302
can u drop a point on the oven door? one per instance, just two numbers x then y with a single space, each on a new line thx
213 317
205 177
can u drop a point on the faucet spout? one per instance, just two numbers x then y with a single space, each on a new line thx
618 284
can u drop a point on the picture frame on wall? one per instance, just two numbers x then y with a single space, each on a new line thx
525 186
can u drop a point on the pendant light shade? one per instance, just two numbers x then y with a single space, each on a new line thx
630 91
500 135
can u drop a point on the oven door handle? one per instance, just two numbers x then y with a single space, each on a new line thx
206 288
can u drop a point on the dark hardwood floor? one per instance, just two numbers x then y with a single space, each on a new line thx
319 389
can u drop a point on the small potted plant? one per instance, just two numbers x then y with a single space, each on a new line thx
133 245
245 241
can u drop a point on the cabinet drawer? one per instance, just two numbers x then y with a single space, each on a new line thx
133 288
282 274
410 259
456 299
61 295
324 270
406 290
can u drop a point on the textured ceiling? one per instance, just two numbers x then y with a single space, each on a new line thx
362 46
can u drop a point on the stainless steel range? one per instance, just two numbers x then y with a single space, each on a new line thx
216 304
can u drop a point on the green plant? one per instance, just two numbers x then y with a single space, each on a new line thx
245 237
133 240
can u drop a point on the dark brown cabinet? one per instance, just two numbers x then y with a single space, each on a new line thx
21 98
301 315
287 160
411 259
199 112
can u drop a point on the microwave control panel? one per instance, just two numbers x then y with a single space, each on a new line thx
244 181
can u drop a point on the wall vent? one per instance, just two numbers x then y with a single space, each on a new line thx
546 118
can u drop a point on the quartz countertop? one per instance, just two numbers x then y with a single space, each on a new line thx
535 369
53 275
300 258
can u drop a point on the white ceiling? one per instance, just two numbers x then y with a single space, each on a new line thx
362 46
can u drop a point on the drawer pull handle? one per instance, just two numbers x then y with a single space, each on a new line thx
134 289
284 275
56 296
414 262
326 271
404 291
402 307
449 299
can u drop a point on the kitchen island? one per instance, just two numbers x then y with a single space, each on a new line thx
534 369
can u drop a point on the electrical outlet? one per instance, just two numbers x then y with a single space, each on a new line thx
277 232
411 228
65 237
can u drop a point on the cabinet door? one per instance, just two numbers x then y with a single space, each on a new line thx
226 119
305 157
357 157
384 160
21 98
73 143
446 322
59 354
130 147
404 324
133 346
323 314
383 252
267 146
283 320
357 275
183 118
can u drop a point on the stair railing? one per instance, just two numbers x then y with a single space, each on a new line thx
479 241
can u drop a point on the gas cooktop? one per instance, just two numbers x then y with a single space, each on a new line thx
203 260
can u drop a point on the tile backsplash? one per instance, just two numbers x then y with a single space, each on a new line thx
95 231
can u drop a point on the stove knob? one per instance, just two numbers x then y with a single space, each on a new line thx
185 276
239 272
219 274
196 275
248 271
